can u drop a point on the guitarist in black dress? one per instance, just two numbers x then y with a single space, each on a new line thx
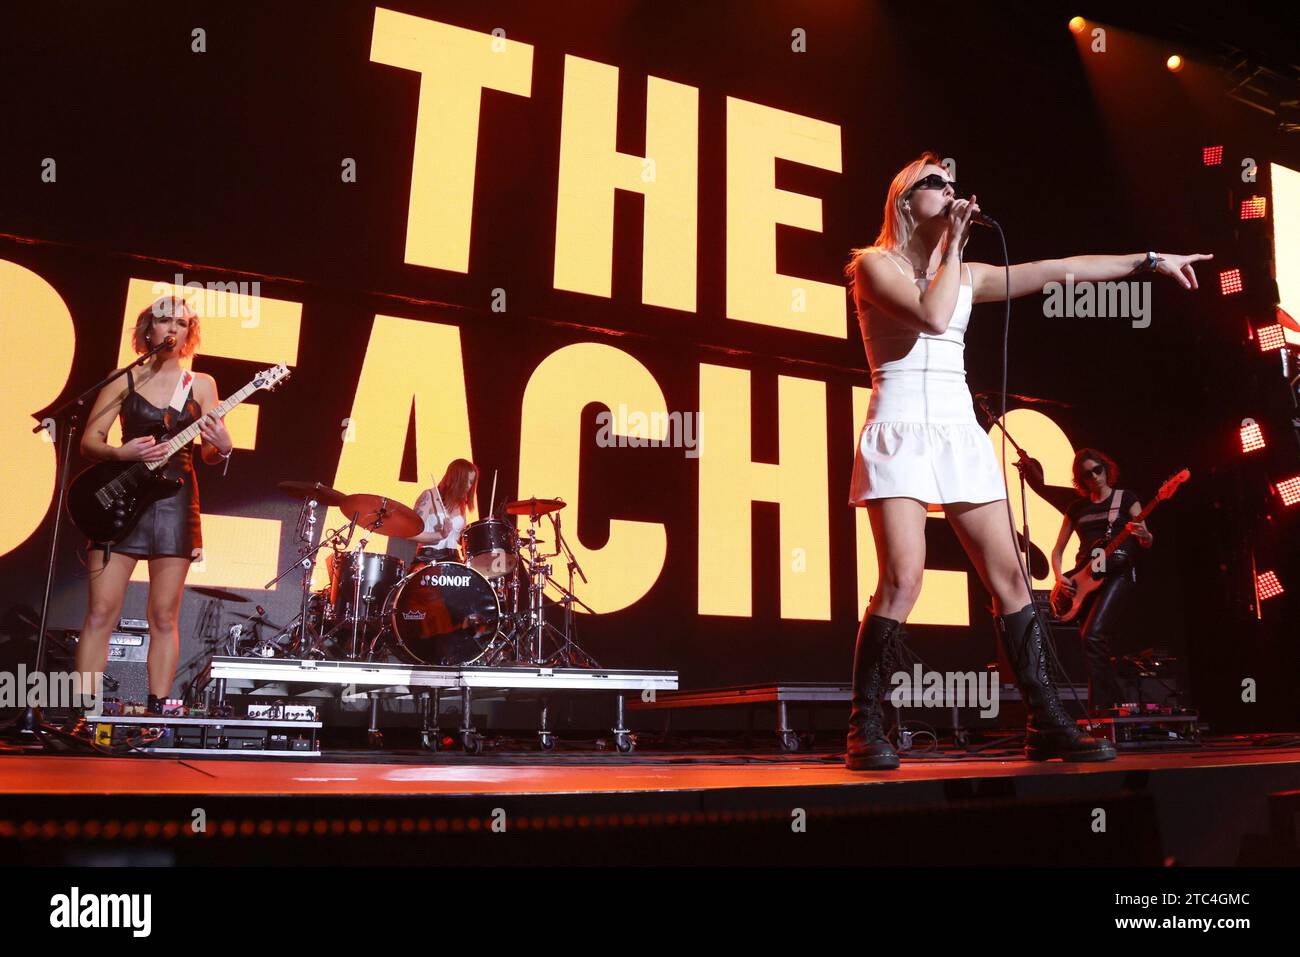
1097 516
158 400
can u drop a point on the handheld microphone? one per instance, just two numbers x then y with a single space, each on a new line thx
980 218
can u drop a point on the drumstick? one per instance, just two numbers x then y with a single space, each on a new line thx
492 502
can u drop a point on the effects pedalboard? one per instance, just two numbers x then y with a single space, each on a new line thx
1137 726
277 729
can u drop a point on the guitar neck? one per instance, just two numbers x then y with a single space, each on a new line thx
186 435
1125 534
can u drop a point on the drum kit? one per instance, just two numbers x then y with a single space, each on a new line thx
490 602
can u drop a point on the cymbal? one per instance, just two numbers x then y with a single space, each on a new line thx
220 594
535 508
321 493
384 515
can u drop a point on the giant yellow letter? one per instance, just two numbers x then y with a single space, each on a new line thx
456 65
730 480
591 169
756 292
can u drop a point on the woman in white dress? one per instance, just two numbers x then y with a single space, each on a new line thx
921 448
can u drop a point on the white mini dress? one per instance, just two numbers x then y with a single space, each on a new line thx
921 439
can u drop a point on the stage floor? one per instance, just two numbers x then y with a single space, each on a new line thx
376 774
1228 802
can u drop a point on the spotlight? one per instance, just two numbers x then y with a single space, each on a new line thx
1174 63
1267 586
1271 337
1288 490
1254 208
1230 281
1077 24
1212 155
1252 436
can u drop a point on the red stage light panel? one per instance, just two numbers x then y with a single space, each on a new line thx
1288 490
1230 281
1252 437
1212 155
1254 207
1271 337
1267 586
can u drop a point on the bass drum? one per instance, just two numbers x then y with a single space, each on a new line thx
443 614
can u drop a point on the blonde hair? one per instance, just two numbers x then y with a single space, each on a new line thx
165 306
898 224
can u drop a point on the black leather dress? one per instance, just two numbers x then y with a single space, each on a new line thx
169 526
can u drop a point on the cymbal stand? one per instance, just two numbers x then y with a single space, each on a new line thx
538 572
306 643
570 652
539 576
358 569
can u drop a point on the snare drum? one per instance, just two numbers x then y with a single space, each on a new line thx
491 547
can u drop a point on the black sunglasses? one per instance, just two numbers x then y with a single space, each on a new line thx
934 181
1095 470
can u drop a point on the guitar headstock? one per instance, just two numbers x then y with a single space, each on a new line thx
1171 485
268 379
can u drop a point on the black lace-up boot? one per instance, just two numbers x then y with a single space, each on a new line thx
873 660
1051 733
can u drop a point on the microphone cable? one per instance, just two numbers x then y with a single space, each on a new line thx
1048 643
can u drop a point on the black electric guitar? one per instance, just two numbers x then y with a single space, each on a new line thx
1065 605
105 500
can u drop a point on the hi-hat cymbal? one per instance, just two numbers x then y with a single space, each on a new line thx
534 508
220 594
321 493
383 515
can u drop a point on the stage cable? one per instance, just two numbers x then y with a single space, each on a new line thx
1048 644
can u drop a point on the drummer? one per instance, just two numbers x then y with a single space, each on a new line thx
444 521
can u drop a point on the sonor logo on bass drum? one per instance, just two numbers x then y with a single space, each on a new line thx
413 616
450 581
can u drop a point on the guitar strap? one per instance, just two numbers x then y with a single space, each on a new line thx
182 391
1116 497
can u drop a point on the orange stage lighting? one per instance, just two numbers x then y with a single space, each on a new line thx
1174 63
1254 207
1288 490
1252 437
1267 586
1077 24
1271 337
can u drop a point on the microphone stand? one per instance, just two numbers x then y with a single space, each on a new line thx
63 423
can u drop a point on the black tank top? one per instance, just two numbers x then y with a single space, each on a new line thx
140 417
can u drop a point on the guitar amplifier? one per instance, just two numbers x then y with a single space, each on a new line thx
126 676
